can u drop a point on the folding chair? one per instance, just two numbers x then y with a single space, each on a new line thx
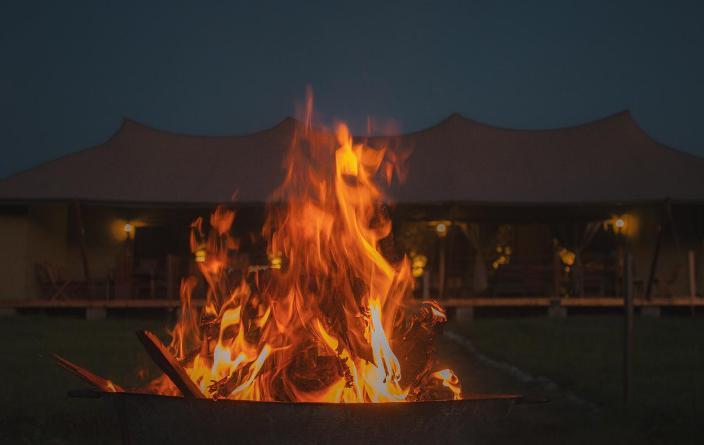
53 284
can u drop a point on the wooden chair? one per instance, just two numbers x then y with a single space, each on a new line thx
51 281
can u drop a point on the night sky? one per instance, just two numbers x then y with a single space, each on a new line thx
70 71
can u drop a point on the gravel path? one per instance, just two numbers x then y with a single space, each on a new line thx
563 419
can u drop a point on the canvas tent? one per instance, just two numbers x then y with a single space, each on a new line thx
456 167
456 161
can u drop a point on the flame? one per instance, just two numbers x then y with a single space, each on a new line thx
322 320
449 380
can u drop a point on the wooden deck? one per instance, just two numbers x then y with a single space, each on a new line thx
93 303
581 302
517 302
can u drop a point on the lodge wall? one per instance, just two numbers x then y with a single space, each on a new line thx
49 233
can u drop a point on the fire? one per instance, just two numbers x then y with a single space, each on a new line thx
329 320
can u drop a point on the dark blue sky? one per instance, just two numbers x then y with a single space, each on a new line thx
72 70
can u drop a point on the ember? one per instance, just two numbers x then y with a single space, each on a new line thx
329 320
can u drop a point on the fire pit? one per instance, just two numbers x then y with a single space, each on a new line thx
149 419
307 348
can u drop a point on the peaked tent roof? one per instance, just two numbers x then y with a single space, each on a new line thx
610 160
458 160
139 164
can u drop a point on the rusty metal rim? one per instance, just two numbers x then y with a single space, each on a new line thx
466 397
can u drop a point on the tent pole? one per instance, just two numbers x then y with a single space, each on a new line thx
691 260
675 235
82 243
656 254
556 270
673 227
441 269
577 267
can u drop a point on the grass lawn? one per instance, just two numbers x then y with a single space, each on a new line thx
584 355
34 406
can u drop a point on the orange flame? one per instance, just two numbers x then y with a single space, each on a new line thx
450 380
323 322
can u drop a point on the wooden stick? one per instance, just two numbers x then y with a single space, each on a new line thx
87 376
168 363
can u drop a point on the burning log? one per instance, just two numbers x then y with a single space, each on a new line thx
223 388
87 376
417 350
168 363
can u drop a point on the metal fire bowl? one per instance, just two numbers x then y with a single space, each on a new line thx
154 419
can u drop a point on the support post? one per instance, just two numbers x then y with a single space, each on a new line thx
654 264
172 277
692 279
577 267
426 285
628 327
82 242
124 270
667 218
441 269
556 271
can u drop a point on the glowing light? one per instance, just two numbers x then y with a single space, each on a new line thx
128 228
624 224
418 264
567 256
